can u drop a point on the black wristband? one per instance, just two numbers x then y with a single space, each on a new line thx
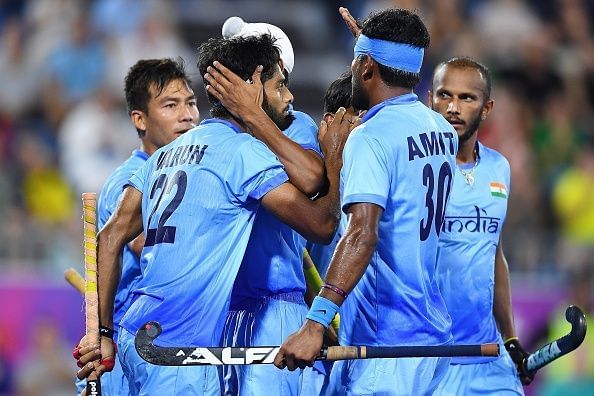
106 332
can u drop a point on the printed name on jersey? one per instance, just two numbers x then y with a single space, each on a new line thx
432 144
181 155
479 222
263 355
498 190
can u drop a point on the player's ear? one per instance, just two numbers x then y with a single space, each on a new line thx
368 67
138 120
487 108
328 117
430 99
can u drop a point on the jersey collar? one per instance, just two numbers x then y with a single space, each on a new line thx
140 154
402 99
221 121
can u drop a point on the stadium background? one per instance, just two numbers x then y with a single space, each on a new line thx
63 130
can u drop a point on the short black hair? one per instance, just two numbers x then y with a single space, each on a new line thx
241 55
339 93
400 26
464 62
146 73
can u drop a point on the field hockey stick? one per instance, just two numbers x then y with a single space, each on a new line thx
75 279
562 346
91 297
204 356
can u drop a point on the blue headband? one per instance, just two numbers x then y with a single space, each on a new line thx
389 53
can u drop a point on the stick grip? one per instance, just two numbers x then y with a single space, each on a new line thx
89 202
75 280
371 352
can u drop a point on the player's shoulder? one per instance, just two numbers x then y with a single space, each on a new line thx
491 155
302 118
116 181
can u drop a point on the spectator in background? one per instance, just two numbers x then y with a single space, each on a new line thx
75 69
573 205
573 374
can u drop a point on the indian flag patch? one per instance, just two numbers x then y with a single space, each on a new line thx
498 190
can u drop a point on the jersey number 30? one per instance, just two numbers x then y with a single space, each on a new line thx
435 208
165 233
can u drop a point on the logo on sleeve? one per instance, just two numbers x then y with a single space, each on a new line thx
498 190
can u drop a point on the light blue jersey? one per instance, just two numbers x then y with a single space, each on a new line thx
106 205
467 247
200 196
114 382
401 158
273 261
267 302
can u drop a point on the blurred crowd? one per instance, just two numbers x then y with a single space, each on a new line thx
64 127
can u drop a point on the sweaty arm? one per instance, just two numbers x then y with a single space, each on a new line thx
502 307
122 227
304 167
354 250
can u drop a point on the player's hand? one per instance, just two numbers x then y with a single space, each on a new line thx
333 135
301 348
350 21
237 96
518 355
87 353
94 358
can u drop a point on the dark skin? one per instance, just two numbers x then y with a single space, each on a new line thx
460 95
285 201
244 100
355 248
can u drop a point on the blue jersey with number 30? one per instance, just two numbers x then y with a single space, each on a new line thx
200 195
402 159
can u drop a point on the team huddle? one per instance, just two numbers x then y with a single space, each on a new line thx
210 228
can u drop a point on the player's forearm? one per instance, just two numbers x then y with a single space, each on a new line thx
502 306
350 260
304 168
108 275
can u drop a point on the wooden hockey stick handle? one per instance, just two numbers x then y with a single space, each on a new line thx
75 279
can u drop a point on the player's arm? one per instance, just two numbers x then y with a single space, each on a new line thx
122 227
502 310
137 244
502 307
351 258
244 100
316 220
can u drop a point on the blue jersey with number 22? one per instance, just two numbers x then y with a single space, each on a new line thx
200 196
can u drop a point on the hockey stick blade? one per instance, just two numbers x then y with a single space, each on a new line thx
201 356
563 345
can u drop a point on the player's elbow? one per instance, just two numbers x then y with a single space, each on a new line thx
323 232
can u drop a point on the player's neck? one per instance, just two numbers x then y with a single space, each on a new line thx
384 92
147 149
467 153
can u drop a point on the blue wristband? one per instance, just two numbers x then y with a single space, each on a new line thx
322 311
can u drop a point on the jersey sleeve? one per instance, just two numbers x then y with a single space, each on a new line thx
254 171
365 174
304 132
139 178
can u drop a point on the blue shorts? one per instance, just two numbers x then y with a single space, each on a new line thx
147 379
497 377
387 377
268 322
113 383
